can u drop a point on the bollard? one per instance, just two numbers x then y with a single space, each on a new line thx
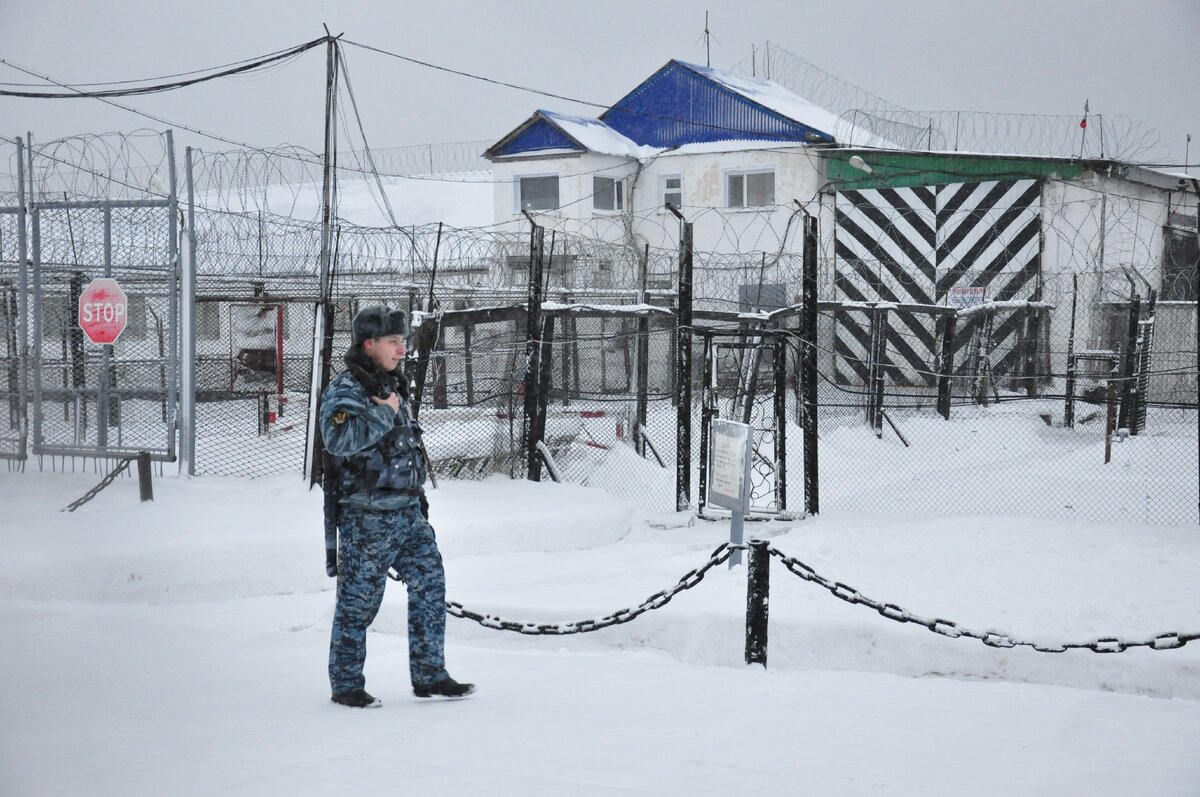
758 589
145 488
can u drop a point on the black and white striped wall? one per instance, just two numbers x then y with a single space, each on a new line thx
955 244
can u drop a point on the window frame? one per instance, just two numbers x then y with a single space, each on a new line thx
619 194
518 180
662 191
742 175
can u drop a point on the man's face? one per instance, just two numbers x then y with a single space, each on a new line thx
386 352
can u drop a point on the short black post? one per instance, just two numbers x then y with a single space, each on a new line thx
758 590
145 487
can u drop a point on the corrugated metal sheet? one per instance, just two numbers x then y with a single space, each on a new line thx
678 106
537 136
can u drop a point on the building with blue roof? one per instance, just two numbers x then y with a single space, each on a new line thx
738 156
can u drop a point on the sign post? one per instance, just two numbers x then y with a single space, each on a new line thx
103 311
730 457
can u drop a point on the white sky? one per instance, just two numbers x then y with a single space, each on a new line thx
1135 59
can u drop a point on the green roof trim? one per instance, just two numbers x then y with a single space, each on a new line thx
907 169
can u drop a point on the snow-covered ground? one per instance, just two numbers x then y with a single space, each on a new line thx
179 647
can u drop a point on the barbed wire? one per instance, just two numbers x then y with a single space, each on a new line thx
1116 137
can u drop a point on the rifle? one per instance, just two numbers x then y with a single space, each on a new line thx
331 485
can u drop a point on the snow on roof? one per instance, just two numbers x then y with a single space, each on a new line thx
775 97
729 145
595 135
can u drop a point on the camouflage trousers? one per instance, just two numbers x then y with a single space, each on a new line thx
369 541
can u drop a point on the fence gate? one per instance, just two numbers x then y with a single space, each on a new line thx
105 400
745 377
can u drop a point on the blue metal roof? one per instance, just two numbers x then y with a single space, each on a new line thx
683 104
535 133
679 104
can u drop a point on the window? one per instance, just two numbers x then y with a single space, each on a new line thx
208 321
671 186
750 189
1179 281
608 193
537 193
135 326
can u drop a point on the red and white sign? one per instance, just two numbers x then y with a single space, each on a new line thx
103 311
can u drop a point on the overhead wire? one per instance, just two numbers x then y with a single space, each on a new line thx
76 93
162 77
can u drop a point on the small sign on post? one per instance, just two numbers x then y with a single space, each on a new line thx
730 457
964 296
103 311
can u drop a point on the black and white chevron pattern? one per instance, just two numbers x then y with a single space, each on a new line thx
914 245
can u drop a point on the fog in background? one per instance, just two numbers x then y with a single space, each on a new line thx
1139 60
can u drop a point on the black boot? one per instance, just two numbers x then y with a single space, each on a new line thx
447 687
356 698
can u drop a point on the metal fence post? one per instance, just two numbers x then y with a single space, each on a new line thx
425 339
875 378
145 486
808 366
533 323
780 422
1127 363
708 411
946 370
1141 388
758 591
543 390
643 381
24 308
683 427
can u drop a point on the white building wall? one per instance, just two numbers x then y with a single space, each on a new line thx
729 242
1103 231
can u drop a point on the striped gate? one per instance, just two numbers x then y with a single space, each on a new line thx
952 244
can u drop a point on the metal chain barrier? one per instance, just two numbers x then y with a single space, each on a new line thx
107 480
655 601
951 629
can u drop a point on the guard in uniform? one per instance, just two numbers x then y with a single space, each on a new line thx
375 494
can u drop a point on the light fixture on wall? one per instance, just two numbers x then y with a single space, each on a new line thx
858 163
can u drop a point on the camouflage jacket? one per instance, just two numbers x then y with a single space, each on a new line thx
377 452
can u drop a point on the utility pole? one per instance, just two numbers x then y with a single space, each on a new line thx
323 326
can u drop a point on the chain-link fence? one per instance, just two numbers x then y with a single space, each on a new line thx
962 366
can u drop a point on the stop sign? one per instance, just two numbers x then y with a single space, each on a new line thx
103 310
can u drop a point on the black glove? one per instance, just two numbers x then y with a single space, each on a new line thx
424 506
331 562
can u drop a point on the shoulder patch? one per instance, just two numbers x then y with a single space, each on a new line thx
340 417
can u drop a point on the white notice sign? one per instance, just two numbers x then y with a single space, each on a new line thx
729 465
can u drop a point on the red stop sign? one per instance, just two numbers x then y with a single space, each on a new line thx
103 310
